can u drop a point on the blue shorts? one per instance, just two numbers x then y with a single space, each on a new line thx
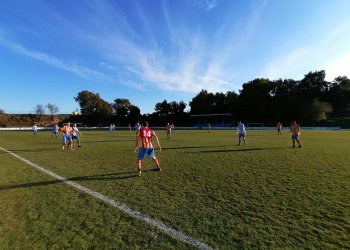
75 137
242 134
295 137
143 151
66 137
55 132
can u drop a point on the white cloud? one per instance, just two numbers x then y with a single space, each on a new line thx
287 65
338 67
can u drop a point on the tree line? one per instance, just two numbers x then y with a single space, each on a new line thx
309 100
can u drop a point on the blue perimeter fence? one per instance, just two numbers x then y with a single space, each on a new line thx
176 128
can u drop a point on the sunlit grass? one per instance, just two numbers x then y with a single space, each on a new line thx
264 195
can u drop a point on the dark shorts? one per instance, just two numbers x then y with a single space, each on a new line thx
144 151
295 137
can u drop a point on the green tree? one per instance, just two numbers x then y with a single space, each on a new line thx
255 100
317 111
92 104
122 107
177 107
163 108
203 103
135 113
339 96
313 85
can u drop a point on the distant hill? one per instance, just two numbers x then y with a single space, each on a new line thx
28 120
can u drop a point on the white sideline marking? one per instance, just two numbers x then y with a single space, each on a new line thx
158 224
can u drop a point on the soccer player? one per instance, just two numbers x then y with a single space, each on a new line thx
279 128
137 127
55 129
143 142
241 132
35 130
168 129
67 131
75 132
209 128
295 129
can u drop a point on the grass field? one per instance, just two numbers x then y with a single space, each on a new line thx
265 195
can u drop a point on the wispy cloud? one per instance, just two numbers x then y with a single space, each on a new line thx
320 54
287 65
176 58
190 61
72 67
206 5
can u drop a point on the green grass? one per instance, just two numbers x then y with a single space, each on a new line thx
265 195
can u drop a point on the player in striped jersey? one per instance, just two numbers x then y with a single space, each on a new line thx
295 129
143 142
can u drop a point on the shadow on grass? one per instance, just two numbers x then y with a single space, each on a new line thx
194 147
102 177
32 150
233 150
102 141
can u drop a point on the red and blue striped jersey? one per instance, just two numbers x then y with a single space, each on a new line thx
145 137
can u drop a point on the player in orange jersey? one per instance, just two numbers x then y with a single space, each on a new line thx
279 128
169 130
67 136
295 129
143 142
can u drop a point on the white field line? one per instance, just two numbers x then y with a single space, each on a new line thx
121 206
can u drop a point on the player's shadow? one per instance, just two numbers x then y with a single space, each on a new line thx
233 150
194 147
104 141
102 177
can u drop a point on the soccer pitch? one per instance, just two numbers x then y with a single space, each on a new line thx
265 195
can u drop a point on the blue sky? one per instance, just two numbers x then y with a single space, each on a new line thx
151 50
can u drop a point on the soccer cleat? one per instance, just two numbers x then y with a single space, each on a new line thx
79 146
140 173
63 148
299 146
158 168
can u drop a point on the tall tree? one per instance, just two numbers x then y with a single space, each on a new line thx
312 85
93 104
135 113
122 107
53 109
203 103
39 109
163 108
316 111
339 96
255 100
177 107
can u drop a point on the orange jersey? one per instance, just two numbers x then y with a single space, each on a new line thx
67 130
145 137
295 129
